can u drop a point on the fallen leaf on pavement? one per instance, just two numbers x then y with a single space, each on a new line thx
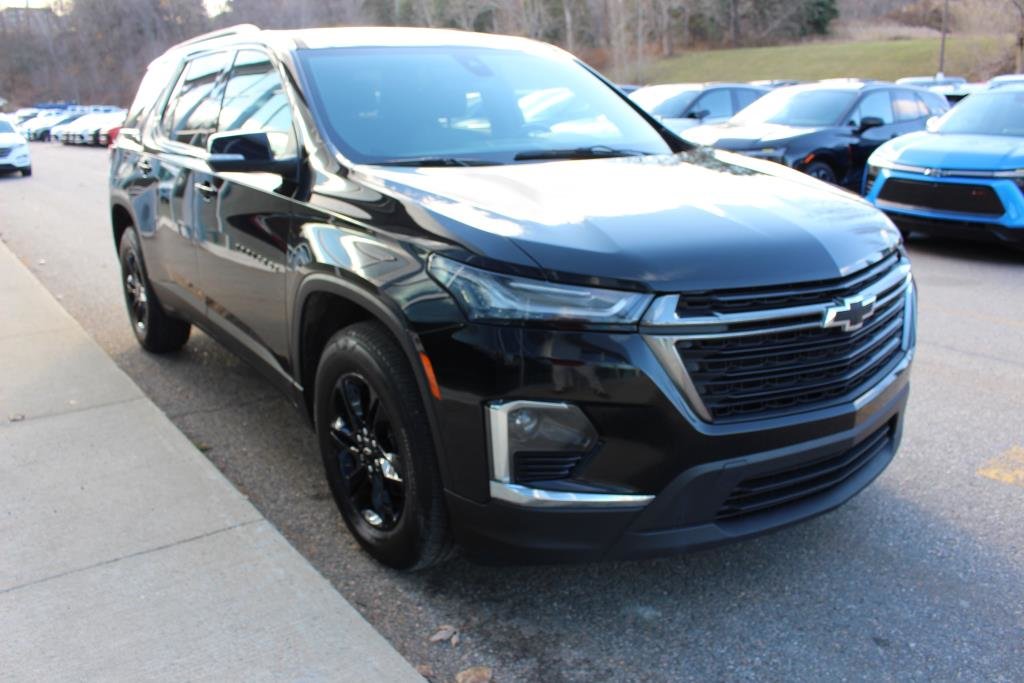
475 674
444 632
425 670
455 640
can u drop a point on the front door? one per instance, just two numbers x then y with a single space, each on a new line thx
243 246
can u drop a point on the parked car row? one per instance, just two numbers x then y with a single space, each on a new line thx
52 121
931 168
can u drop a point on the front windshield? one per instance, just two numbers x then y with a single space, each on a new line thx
665 100
797 107
991 113
6 127
386 105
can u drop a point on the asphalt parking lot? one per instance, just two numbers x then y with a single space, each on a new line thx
921 577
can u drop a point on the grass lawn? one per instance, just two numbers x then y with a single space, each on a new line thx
970 56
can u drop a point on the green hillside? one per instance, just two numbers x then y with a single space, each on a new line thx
970 56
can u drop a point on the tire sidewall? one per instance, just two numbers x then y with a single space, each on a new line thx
130 246
349 353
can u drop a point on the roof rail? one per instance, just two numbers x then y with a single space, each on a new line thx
220 33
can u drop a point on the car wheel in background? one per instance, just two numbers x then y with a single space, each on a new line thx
156 331
821 171
27 171
377 449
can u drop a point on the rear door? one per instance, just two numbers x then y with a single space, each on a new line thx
243 251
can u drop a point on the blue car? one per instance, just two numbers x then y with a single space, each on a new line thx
964 177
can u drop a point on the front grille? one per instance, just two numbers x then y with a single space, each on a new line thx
4 151
955 197
762 298
767 492
528 468
759 353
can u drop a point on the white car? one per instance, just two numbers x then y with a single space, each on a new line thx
88 129
14 153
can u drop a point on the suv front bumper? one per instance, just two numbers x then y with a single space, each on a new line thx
688 513
688 475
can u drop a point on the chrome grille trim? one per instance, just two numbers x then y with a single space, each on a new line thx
664 328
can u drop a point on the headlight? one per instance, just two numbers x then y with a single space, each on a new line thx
484 295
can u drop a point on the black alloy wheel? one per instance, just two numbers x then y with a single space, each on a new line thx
362 431
154 329
378 448
135 294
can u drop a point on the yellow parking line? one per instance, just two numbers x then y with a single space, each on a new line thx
1007 468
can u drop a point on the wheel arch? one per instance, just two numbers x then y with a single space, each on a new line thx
342 304
120 220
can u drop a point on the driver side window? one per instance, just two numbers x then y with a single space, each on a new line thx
878 105
717 104
255 101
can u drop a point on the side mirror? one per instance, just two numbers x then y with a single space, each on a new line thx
238 152
699 114
932 124
869 122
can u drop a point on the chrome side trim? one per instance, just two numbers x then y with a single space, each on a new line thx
497 427
664 348
531 497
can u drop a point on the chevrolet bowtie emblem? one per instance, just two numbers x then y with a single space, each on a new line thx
850 314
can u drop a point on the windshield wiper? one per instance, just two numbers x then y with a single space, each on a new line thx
434 161
592 152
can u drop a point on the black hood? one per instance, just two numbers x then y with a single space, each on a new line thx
749 136
694 221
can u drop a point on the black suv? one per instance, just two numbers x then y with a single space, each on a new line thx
828 129
521 315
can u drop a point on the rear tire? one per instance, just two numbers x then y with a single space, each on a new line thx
821 171
378 449
26 171
154 329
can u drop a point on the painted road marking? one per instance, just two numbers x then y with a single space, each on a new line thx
1008 468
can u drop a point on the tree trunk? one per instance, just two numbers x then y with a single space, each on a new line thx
570 33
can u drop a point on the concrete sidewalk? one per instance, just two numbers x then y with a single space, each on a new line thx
126 555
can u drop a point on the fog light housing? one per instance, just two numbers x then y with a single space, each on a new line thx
520 428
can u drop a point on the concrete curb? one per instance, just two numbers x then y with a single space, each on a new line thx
124 553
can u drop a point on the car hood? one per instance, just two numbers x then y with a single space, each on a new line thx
957 152
11 140
699 220
745 136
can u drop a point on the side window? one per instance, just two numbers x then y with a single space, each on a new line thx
255 100
717 103
154 84
877 104
908 106
192 110
745 97
937 105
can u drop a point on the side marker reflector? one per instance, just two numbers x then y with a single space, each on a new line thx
428 368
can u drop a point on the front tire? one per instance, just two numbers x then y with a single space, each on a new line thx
821 171
377 449
154 329
27 171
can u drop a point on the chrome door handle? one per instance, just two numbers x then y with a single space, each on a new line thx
207 190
